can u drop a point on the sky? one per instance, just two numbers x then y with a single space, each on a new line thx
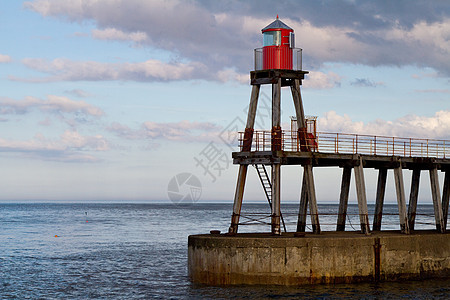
111 100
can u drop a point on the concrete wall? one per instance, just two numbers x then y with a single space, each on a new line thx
326 258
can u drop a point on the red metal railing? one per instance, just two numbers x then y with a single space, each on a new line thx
352 144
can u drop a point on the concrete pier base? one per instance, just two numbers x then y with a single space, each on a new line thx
331 257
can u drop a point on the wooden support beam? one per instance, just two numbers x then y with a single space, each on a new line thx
435 193
298 104
242 174
445 197
381 190
276 207
276 104
251 114
343 199
312 198
361 195
401 201
238 196
413 196
303 208
276 146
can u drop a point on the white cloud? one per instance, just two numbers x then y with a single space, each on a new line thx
223 36
51 104
434 127
70 147
442 91
119 35
184 131
365 82
74 140
150 70
320 80
78 93
5 58
231 75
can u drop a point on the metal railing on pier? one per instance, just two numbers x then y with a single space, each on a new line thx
343 143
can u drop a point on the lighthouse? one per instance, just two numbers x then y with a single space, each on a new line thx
277 63
278 42
278 51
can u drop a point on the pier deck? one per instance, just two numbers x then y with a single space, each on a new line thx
319 159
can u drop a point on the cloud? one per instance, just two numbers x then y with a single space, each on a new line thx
77 93
434 127
51 104
150 70
442 91
222 36
231 75
70 147
320 80
183 131
118 35
364 82
5 58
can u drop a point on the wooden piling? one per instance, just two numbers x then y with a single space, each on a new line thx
238 196
303 207
435 193
401 201
413 197
381 190
276 167
343 199
445 197
361 195
312 198
242 174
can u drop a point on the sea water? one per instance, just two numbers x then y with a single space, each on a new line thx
139 251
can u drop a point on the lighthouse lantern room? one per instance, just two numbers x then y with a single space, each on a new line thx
278 51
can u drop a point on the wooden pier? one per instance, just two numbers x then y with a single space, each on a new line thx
296 258
305 147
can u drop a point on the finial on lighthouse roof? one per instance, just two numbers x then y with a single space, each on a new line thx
277 16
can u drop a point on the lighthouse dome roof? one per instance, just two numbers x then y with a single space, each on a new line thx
277 24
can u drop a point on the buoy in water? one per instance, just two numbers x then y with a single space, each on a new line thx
56 235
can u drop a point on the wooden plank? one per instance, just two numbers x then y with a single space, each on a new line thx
435 193
251 114
276 104
379 201
271 76
242 174
361 196
343 199
312 198
238 196
276 168
401 201
298 104
276 207
413 197
445 197
303 207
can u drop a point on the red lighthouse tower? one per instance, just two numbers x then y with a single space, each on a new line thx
277 63
278 46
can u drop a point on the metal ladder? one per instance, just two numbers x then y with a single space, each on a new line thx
267 186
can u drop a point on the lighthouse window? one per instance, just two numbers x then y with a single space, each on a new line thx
272 38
